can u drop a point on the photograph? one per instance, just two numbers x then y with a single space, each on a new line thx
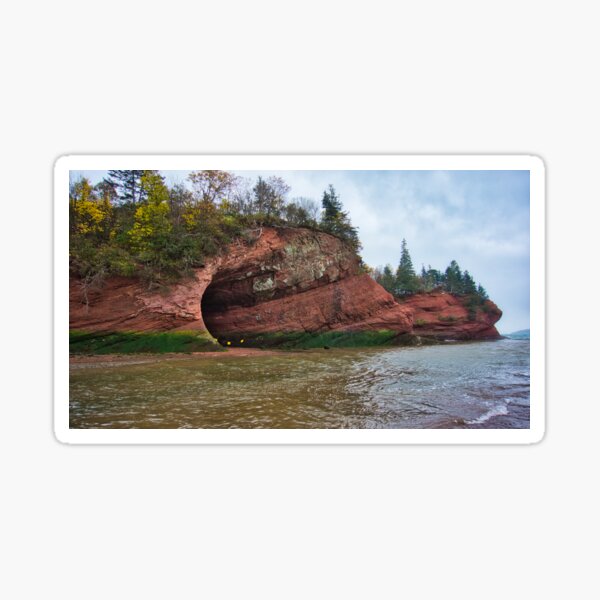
298 299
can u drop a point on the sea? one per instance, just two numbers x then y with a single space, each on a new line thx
454 385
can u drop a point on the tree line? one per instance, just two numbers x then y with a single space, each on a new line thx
133 224
404 281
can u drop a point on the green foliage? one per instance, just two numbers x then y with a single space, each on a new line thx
452 280
212 186
448 319
132 223
468 284
82 342
330 339
387 279
406 281
90 216
127 185
336 221
269 200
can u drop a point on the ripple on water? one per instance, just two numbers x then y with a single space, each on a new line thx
462 385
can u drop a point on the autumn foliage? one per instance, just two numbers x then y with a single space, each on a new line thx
133 224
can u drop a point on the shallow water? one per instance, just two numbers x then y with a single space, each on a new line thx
470 385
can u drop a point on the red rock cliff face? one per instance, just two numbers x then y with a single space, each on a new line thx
444 316
284 280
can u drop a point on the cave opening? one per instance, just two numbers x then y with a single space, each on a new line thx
223 294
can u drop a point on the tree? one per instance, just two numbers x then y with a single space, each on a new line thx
406 280
91 216
179 198
127 185
295 215
387 279
269 198
242 197
153 188
133 224
106 191
435 277
332 208
468 282
337 222
212 186
312 208
453 278
150 232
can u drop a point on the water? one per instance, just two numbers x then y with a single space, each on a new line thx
470 385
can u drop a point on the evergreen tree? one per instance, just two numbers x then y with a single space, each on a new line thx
127 185
406 280
469 286
482 293
387 279
335 220
106 191
434 278
332 207
453 280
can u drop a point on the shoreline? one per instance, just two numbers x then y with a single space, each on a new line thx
142 358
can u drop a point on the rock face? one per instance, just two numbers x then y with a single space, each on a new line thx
442 316
278 281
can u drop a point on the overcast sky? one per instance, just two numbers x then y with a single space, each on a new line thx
478 218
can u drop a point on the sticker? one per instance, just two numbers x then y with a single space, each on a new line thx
299 299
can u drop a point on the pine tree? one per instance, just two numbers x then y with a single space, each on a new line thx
336 221
332 207
127 185
469 286
406 278
453 279
106 191
387 279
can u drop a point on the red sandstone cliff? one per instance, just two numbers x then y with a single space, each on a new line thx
284 280
444 316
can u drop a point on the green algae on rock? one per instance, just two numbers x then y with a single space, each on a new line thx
133 342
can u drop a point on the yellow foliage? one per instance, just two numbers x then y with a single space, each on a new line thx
151 221
91 216
202 213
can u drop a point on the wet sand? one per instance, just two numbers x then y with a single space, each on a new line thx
107 360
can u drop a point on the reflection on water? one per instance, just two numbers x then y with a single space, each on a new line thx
473 385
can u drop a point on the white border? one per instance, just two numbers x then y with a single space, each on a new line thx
298 436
